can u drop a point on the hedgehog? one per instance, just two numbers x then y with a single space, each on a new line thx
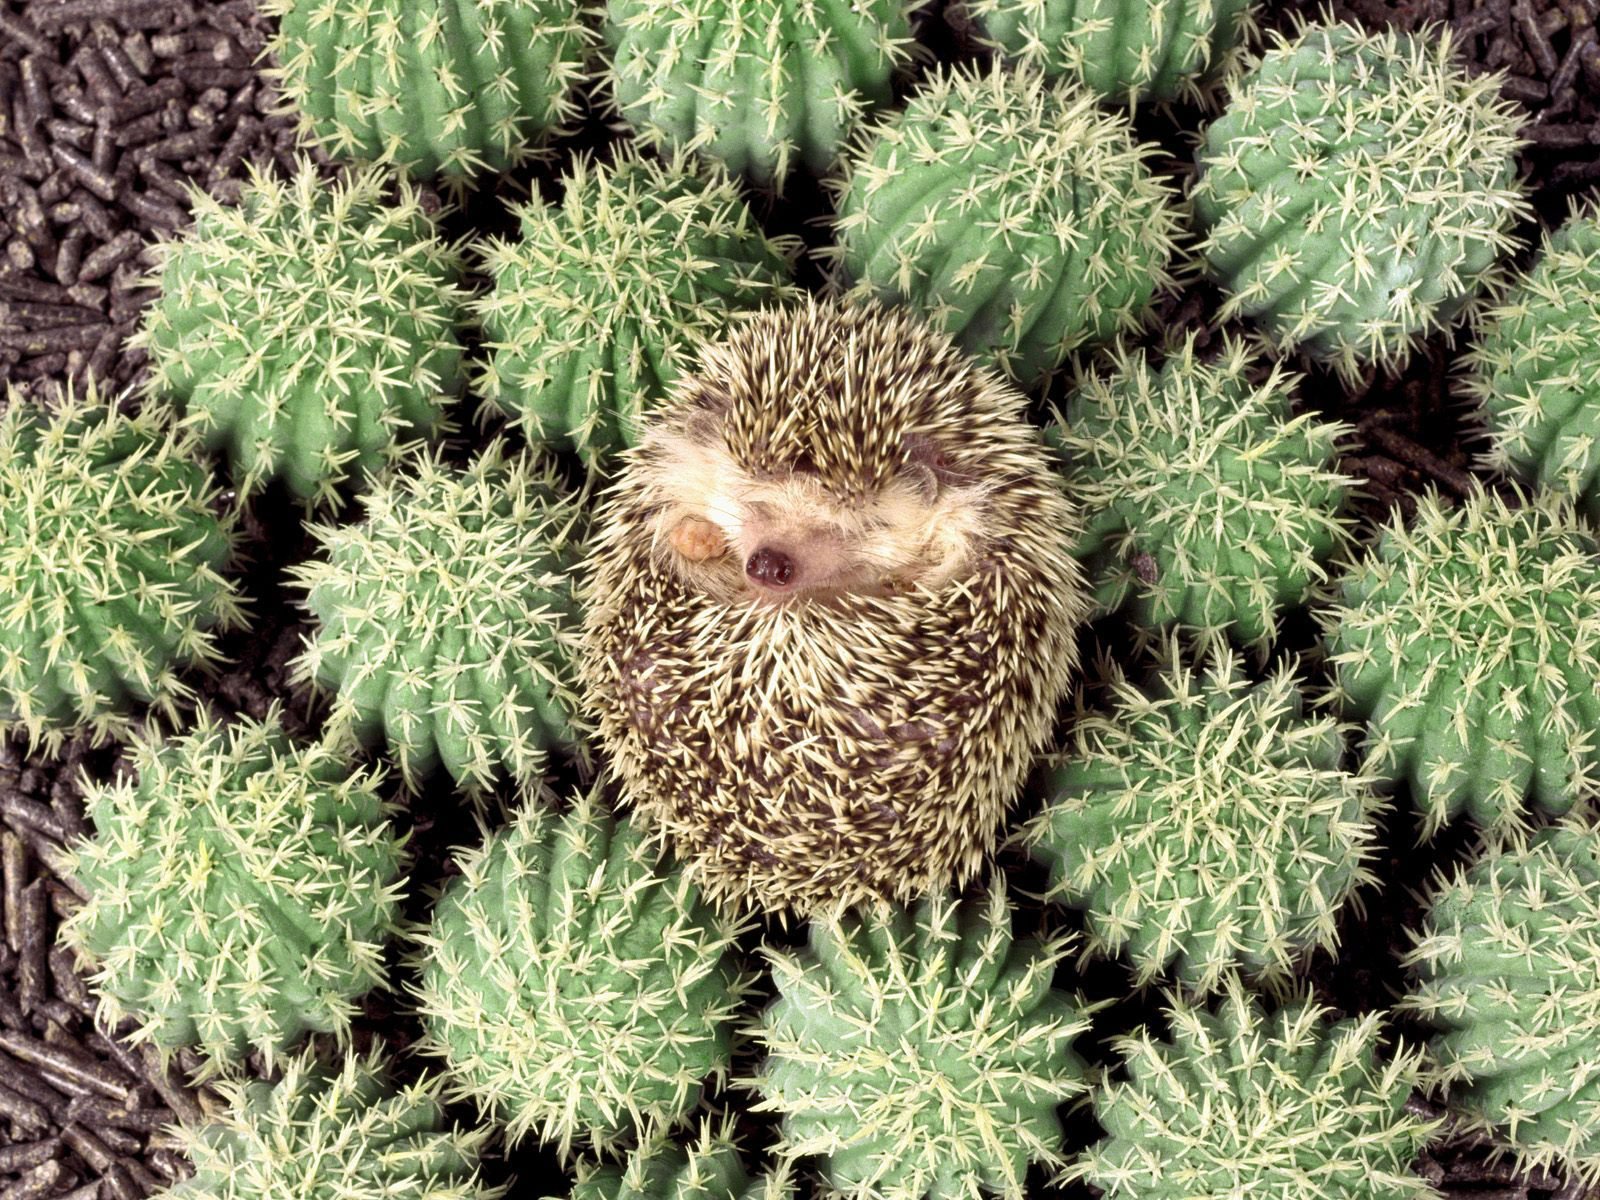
832 612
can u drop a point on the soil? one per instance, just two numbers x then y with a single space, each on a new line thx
84 186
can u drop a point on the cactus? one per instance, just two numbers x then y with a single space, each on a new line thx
1151 49
573 986
920 1052
448 618
1533 368
308 330
110 547
1208 502
709 1169
1012 212
452 88
1471 644
763 86
1357 191
1238 1103
340 1133
1506 961
1206 823
240 890
595 309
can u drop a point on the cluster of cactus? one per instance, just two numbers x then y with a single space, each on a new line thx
310 330
1207 502
595 309
709 1168
447 618
240 890
111 546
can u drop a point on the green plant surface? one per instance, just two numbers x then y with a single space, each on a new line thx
1205 824
920 1052
1009 210
240 890
1357 192
574 986
447 618
112 544
766 87
1287 1106
597 306
708 1168
311 330
1208 501
1469 640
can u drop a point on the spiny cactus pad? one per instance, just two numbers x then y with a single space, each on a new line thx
448 617
1507 965
110 547
575 987
1357 191
595 309
241 889
310 329
763 86
332 1133
1156 49
708 1168
1208 502
1206 823
437 87
920 1052
1534 369
1012 212
1237 1103
1470 641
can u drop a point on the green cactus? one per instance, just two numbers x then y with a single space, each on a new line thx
1010 211
1151 49
595 309
1208 502
309 329
112 545
1206 824
1506 962
708 1169
240 890
920 1052
452 88
1533 367
763 86
448 618
339 1133
1238 1103
1357 191
574 987
1471 644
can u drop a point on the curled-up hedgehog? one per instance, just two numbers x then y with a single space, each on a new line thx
833 611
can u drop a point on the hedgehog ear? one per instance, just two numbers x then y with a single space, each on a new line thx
922 453
704 425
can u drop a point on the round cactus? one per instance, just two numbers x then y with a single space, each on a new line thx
309 329
920 1052
1534 370
448 617
763 86
110 545
1506 962
707 1169
1357 191
436 87
241 889
1283 1107
342 1133
1208 502
594 311
1155 49
574 986
1206 824
1010 211
1471 643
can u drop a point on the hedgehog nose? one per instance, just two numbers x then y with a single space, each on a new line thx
771 568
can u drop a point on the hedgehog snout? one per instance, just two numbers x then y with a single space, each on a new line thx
772 568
